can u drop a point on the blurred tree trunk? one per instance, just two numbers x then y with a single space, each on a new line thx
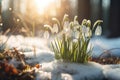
0 16
83 9
114 24
0 6
96 9
0 10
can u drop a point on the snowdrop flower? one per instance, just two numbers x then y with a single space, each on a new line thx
88 32
84 29
65 78
98 30
48 27
46 34
55 28
76 34
88 23
75 40
66 29
84 22
65 17
66 26
76 26
76 23
68 33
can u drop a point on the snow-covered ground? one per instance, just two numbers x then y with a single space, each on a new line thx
102 44
39 49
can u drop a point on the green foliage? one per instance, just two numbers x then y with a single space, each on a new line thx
71 51
73 44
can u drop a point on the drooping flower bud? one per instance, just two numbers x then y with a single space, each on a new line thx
98 31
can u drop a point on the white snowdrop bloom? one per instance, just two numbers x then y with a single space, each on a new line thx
66 25
76 34
55 28
88 32
75 40
98 31
75 28
84 29
65 78
89 23
46 34
48 27
68 32
76 22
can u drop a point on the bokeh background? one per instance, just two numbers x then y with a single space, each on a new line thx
20 16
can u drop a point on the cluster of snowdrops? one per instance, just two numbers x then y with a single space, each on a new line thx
71 39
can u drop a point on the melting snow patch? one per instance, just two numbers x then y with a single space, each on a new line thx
112 72
40 56
72 71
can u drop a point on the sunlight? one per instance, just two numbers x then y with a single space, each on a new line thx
42 5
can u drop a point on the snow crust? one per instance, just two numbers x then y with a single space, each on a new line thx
71 71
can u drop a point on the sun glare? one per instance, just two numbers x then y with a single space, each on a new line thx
42 5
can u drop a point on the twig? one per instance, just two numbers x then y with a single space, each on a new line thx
107 51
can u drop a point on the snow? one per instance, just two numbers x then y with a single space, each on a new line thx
72 71
101 44
112 72
25 43
38 49
40 56
56 70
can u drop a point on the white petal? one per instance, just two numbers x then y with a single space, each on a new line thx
55 28
87 32
46 34
76 23
90 33
66 24
77 34
66 27
84 29
98 31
